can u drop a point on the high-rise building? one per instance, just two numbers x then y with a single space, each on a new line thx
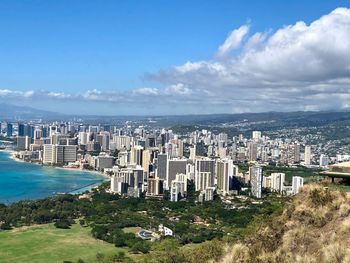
193 153
267 182
146 160
162 165
256 180
175 166
136 155
324 160
9 130
252 151
222 137
209 193
122 142
224 173
104 162
154 186
204 173
307 155
178 187
277 181
37 134
59 154
23 143
296 157
297 182
103 139
256 136
21 128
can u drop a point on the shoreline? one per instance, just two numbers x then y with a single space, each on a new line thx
78 191
13 157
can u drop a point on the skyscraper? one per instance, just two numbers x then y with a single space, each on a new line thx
277 181
307 155
297 182
9 130
253 151
256 135
204 173
21 129
224 172
176 166
162 165
256 180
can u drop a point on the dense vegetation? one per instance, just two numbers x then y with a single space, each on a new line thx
108 215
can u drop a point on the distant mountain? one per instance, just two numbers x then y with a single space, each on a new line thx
263 120
13 112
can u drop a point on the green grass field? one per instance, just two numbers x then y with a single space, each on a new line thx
47 244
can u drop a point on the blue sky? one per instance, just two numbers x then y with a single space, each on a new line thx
117 48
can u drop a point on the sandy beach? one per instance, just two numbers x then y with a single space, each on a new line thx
13 153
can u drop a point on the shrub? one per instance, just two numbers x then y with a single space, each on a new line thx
64 224
141 246
320 197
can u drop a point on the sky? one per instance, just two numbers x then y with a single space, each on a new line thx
175 57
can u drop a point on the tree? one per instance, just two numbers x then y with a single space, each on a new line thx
63 223
5 226
115 153
141 246
166 195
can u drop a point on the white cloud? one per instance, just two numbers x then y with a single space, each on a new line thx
178 89
281 70
297 67
145 91
15 93
233 41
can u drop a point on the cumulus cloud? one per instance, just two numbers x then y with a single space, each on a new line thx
297 67
233 41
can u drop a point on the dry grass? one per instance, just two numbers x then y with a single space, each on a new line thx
315 227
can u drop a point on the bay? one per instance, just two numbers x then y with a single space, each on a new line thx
27 181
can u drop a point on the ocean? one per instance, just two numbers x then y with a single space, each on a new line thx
27 181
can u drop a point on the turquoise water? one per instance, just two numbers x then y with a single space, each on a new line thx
19 180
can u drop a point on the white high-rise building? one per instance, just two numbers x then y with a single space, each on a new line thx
177 190
324 160
297 182
193 153
122 142
277 181
307 155
256 135
83 138
136 155
256 178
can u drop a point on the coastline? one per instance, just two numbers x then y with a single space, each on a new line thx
12 155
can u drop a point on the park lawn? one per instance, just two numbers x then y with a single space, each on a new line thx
48 244
133 230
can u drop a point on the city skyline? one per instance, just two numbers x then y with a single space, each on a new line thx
205 58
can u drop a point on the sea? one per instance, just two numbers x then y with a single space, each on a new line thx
28 181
